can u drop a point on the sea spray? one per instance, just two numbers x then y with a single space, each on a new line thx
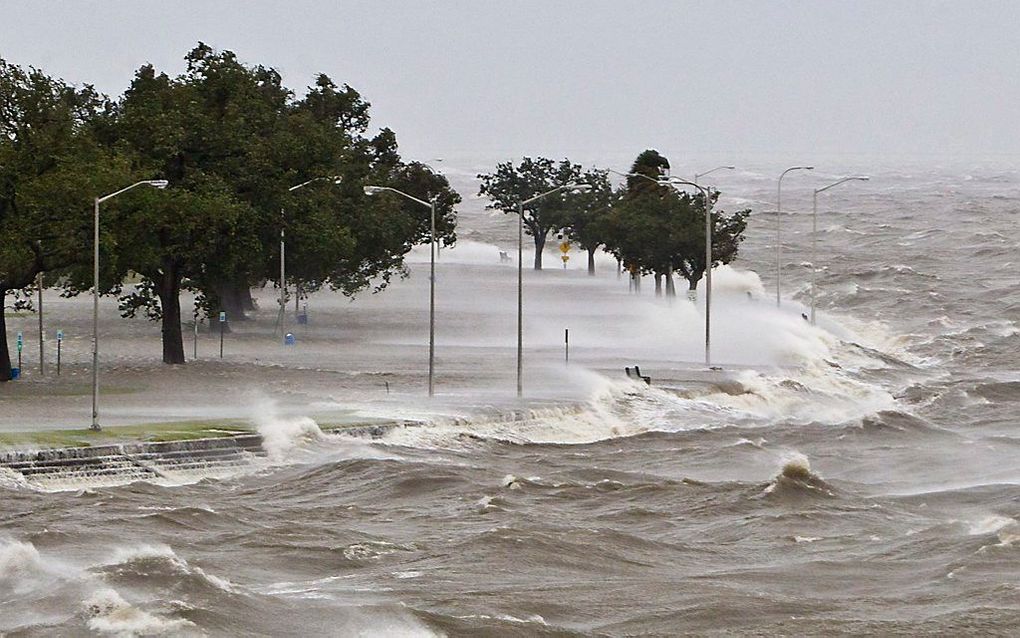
796 466
795 480
108 612
280 434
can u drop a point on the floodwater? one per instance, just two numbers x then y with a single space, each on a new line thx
856 477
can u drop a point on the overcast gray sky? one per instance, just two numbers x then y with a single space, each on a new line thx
591 78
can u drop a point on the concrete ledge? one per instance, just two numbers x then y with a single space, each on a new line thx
112 463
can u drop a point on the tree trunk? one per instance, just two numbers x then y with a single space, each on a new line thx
539 246
658 284
170 302
692 287
234 299
591 261
5 354
670 288
247 301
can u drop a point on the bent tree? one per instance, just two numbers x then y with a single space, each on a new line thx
661 231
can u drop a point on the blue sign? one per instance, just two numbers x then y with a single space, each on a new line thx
60 335
223 317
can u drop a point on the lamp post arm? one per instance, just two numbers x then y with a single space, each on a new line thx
405 195
717 168
336 180
102 199
545 194
841 181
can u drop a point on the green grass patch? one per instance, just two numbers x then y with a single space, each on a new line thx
153 432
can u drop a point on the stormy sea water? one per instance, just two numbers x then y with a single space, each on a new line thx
858 477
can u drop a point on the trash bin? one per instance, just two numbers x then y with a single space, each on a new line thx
302 319
15 374
288 339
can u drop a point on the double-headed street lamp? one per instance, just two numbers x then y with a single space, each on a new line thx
779 212
283 248
577 188
431 205
674 181
154 183
814 233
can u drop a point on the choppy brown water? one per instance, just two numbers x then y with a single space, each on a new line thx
861 481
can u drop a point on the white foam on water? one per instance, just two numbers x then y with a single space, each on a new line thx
989 525
24 570
160 551
109 613
281 435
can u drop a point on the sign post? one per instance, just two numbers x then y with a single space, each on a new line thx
194 352
566 345
565 248
42 354
223 320
21 345
60 341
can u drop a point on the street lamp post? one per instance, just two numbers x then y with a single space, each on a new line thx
283 251
814 233
155 183
578 188
431 205
779 237
673 181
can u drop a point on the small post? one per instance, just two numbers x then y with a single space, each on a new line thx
194 349
60 341
223 321
42 354
566 345
21 345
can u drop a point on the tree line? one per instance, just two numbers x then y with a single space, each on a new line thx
648 226
232 140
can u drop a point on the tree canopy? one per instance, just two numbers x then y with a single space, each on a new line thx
658 230
50 165
512 183
232 141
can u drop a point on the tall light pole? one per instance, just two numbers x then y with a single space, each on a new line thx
283 249
431 205
577 188
673 181
779 212
814 233
154 183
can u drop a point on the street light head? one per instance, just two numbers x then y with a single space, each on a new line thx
730 168
861 178
579 188
337 179
373 190
158 183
